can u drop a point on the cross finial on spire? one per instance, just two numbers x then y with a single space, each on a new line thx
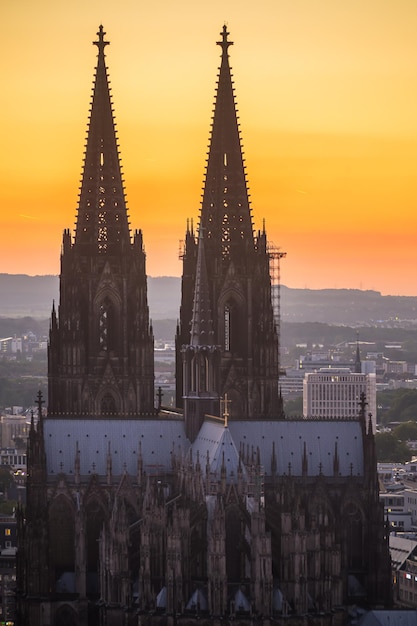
362 406
159 395
101 44
226 413
224 43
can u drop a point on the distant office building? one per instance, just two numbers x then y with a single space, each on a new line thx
368 367
335 394
292 383
13 429
8 544
396 367
403 555
13 458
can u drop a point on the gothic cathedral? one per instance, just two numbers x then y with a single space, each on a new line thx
223 508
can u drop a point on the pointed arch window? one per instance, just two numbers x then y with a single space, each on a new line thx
231 327
226 232
199 373
62 540
235 546
95 522
106 325
227 327
108 404
355 536
193 373
203 383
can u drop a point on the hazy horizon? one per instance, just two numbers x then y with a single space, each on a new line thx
283 284
326 94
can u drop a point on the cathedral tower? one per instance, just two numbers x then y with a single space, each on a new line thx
100 359
132 517
237 266
201 357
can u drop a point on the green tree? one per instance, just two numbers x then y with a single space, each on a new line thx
407 431
8 507
399 405
294 407
390 450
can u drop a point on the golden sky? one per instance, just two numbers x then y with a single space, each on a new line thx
327 98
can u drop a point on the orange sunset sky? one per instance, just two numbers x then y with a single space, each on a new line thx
327 98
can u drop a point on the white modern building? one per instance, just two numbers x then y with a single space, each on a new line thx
332 393
13 427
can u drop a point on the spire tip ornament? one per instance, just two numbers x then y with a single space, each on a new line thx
224 43
101 44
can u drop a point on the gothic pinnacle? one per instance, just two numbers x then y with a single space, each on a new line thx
101 44
224 43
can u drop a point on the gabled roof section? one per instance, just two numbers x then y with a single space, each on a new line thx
225 212
303 447
401 548
388 618
93 440
215 440
102 222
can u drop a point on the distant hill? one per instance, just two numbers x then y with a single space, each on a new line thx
347 306
22 295
32 296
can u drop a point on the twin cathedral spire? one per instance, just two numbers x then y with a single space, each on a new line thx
100 359
127 503
102 218
233 264
101 340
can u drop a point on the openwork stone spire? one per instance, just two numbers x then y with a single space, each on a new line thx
102 221
225 211
202 322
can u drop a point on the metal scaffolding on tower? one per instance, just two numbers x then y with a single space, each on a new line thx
275 255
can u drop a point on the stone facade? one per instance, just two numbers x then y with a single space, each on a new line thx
221 509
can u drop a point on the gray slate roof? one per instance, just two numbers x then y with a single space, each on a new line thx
289 436
400 549
157 438
389 618
215 439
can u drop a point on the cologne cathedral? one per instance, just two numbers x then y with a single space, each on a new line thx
223 508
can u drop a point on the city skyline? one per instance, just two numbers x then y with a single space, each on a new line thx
326 96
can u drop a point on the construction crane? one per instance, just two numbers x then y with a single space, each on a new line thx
275 255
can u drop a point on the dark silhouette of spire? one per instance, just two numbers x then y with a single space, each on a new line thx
202 322
200 356
102 221
100 353
225 212
336 461
226 283
304 461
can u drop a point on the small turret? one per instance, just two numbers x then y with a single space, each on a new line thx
109 465
200 356
336 463
304 463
